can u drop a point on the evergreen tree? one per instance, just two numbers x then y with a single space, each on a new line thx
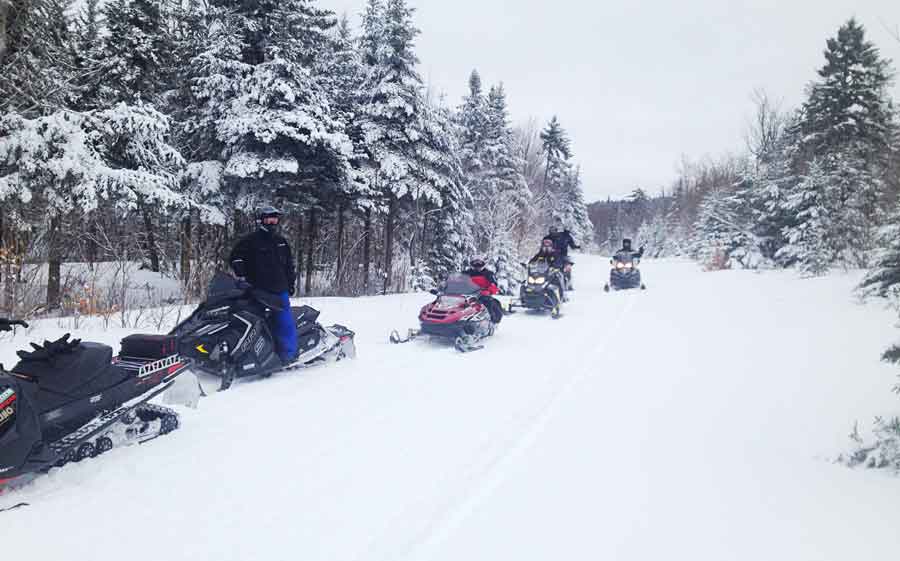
136 52
37 67
847 123
809 241
884 278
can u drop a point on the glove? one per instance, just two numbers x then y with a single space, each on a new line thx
577 247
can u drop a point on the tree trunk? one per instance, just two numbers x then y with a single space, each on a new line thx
54 264
4 22
298 239
187 250
340 250
389 243
150 248
422 254
367 251
310 249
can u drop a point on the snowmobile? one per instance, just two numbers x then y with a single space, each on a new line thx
456 314
625 273
67 401
228 335
541 290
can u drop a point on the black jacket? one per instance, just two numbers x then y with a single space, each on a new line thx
634 254
562 241
266 261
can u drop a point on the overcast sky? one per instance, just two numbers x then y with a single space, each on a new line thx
636 83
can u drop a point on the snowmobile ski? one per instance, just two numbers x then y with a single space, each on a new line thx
411 334
14 507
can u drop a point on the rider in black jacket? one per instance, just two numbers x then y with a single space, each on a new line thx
626 248
265 260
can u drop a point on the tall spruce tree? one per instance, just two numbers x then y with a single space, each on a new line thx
846 124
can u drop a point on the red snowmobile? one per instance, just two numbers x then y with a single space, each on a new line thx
456 314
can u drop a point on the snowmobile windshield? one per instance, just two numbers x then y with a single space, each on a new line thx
449 302
460 284
538 268
624 257
224 286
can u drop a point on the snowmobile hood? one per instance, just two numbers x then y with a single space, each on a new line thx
20 429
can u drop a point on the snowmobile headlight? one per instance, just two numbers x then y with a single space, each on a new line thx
536 280
620 265
629 265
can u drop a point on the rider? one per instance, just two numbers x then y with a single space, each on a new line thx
551 255
264 259
562 240
485 279
626 248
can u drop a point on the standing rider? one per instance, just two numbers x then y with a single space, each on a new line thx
550 255
562 241
626 248
485 279
264 259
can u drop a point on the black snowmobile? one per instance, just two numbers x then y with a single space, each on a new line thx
66 401
229 334
541 290
625 273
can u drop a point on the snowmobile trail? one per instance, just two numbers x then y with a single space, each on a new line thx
683 422
490 471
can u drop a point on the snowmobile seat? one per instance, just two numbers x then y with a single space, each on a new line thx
304 318
304 314
149 346
78 372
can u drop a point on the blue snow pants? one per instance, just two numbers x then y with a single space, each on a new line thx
284 329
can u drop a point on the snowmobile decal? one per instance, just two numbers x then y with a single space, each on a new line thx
6 414
155 367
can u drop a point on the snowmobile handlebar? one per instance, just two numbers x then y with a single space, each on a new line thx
7 324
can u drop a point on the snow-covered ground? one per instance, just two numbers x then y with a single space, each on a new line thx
697 420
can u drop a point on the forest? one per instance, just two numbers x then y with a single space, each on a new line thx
144 133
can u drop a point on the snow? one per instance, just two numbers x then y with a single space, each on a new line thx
697 420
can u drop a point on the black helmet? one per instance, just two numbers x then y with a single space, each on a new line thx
626 244
477 263
264 214
554 229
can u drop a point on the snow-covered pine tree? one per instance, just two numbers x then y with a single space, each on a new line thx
393 116
511 193
71 163
452 239
884 278
847 123
472 119
767 184
38 63
809 240
721 233
137 52
572 210
557 151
